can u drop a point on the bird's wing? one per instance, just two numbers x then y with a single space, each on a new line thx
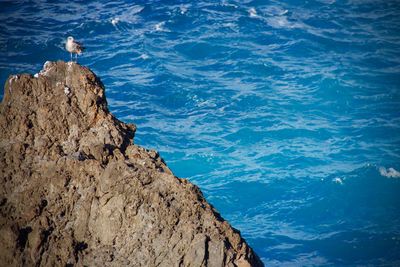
79 46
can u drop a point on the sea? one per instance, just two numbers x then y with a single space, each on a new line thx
286 114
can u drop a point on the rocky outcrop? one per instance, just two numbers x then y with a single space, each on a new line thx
76 191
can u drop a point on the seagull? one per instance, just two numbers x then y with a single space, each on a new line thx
74 47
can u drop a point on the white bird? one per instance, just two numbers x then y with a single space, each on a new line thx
74 47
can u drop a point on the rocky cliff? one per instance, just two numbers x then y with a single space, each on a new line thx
76 191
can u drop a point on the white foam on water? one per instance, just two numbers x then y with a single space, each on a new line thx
36 75
275 11
160 26
338 180
228 4
129 15
390 172
253 12
183 9
328 2
280 22
229 25
115 21
284 12
144 56
135 10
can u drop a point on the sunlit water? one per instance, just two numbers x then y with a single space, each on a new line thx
286 115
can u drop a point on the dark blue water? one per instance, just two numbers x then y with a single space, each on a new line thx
286 114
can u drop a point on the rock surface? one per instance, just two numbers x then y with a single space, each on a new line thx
75 190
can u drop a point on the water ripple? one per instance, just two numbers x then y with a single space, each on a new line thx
286 114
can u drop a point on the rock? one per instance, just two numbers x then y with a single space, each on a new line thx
75 190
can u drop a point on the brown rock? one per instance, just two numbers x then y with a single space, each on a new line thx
75 190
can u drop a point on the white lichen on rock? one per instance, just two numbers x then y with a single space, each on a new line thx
46 68
67 91
14 78
11 80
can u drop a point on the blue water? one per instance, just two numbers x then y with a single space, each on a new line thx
285 114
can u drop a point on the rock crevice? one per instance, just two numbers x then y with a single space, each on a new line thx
76 191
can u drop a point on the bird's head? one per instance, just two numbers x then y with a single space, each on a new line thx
70 38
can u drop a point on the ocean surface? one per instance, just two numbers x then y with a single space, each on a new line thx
285 113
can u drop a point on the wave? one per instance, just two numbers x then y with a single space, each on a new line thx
253 12
160 27
390 172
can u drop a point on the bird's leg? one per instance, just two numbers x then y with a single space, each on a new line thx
76 58
71 56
